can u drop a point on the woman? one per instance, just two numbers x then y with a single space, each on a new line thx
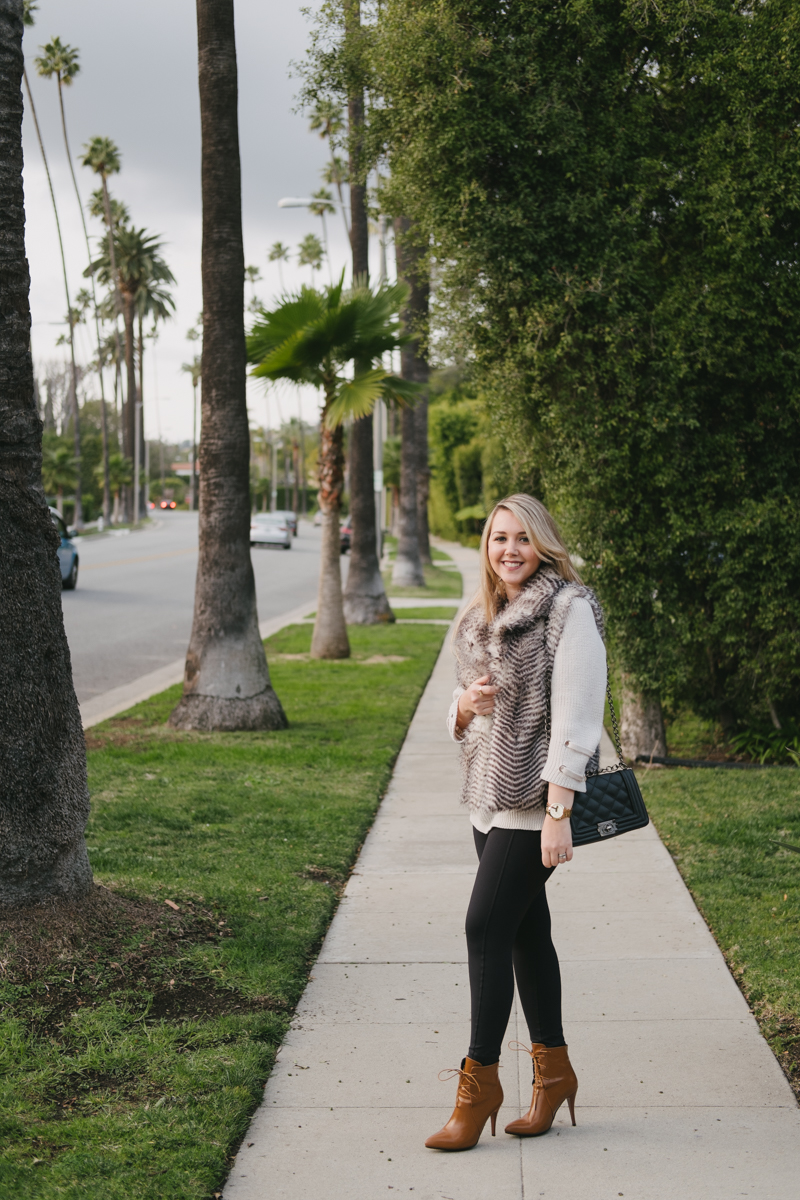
528 713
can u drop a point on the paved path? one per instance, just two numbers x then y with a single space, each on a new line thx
679 1094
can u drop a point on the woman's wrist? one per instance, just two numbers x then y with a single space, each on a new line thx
462 718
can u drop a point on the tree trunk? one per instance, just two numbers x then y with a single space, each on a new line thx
129 415
44 798
330 631
642 724
423 482
365 601
226 682
408 563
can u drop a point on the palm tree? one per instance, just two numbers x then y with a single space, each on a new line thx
132 259
44 800
102 155
153 299
326 120
280 254
59 473
322 205
62 61
311 251
414 474
120 474
311 337
195 369
226 684
27 17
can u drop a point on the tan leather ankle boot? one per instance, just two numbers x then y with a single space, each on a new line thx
554 1082
478 1098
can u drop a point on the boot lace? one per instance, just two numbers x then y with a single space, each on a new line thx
467 1080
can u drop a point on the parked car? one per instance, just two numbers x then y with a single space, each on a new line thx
289 517
345 535
67 554
270 529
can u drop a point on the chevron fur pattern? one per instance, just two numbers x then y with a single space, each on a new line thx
503 756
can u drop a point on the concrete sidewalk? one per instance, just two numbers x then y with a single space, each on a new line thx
679 1094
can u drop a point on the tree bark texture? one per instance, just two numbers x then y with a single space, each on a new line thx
423 482
44 798
226 681
642 724
329 639
408 563
365 600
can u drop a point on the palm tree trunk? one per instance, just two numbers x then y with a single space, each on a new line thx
78 518
642 723
329 639
408 564
423 481
129 415
365 600
44 800
103 423
226 683
143 488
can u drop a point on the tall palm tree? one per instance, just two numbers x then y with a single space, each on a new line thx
131 258
365 597
280 254
120 473
326 120
312 337
44 798
154 300
62 61
226 684
310 254
102 155
195 369
322 205
408 568
27 17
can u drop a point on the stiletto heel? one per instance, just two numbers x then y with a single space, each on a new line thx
571 1103
494 1120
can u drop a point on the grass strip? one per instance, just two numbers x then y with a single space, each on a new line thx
137 1029
439 585
729 833
426 614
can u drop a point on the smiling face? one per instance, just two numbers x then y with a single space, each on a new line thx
511 554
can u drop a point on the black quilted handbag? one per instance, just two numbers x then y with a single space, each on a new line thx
612 803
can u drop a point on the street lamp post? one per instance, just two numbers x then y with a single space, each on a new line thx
276 446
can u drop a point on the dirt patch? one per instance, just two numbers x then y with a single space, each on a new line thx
61 956
128 732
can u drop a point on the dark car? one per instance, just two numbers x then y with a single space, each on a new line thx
345 534
67 554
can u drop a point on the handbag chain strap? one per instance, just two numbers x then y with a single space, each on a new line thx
620 763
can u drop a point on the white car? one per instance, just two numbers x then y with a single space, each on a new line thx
270 529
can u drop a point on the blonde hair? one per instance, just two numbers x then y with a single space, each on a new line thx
543 534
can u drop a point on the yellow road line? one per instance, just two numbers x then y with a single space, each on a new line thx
123 562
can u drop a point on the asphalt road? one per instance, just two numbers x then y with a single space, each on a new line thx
132 609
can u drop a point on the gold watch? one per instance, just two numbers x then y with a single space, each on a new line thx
558 812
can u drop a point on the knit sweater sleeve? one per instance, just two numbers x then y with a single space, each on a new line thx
577 698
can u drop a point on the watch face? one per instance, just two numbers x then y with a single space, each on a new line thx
556 811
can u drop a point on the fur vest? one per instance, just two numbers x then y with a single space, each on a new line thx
503 755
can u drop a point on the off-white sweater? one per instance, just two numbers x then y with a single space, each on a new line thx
576 715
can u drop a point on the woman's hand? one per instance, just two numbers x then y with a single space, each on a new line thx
557 835
476 701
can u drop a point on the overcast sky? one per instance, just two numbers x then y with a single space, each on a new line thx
138 86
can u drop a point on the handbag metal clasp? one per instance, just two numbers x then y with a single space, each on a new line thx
607 828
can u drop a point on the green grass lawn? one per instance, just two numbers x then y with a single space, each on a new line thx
440 584
729 832
427 614
136 1037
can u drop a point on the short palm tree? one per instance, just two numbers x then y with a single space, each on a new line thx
312 337
59 473
120 475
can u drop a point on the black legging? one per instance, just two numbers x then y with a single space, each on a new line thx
508 934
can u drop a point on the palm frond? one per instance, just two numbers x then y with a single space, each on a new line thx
357 397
